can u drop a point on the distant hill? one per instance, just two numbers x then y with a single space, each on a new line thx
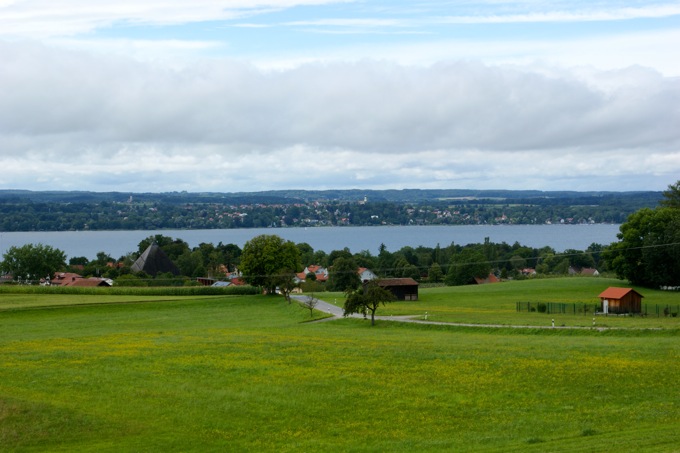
22 210
288 196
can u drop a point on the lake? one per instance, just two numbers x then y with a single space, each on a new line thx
119 243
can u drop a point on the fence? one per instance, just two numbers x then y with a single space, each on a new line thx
583 308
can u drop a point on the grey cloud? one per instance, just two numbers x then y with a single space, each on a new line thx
370 106
70 119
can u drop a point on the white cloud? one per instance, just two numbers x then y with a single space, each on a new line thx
39 19
654 49
579 14
71 119
145 112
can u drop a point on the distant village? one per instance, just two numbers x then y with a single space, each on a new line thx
151 212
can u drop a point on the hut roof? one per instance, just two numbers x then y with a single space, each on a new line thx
617 293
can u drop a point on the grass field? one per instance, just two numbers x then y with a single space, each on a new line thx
248 373
496 303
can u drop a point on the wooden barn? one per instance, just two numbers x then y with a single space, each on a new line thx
402 288
621 300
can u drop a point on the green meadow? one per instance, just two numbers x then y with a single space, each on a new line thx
251 373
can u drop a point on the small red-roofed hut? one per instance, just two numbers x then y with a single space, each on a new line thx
621 300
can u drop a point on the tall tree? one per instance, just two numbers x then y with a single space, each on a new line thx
435 274
366 299
466 265
306 253
385 262
672 196
343 275
648 251
33 262
267 259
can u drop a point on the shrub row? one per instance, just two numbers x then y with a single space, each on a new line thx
134 291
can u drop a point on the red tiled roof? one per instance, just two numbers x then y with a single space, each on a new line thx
86 282
617 293
64 278
490 279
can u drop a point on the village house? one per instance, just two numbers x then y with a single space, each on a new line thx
71 279
321 273
366 274
586 271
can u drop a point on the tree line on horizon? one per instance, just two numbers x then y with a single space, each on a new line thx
647 254
163 211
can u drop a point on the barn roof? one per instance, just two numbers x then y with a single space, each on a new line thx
617 293
397 282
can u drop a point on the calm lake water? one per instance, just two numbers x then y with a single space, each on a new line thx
119 243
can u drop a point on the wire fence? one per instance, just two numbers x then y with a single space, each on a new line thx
589 308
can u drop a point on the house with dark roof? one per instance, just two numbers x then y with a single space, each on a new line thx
620 300
401 288
587 271
154 261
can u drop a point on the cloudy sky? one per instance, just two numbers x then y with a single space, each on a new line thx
238 95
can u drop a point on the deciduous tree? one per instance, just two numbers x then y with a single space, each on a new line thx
310 302
266 259
672 196
343 275
467 265
33 262
366 299
435 274
648 251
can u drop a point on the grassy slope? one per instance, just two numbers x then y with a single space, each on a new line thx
496 303
245 374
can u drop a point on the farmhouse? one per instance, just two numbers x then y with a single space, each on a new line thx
366 274
621 300
71 279
321 273
402 288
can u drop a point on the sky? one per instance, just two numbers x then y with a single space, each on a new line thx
242 96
